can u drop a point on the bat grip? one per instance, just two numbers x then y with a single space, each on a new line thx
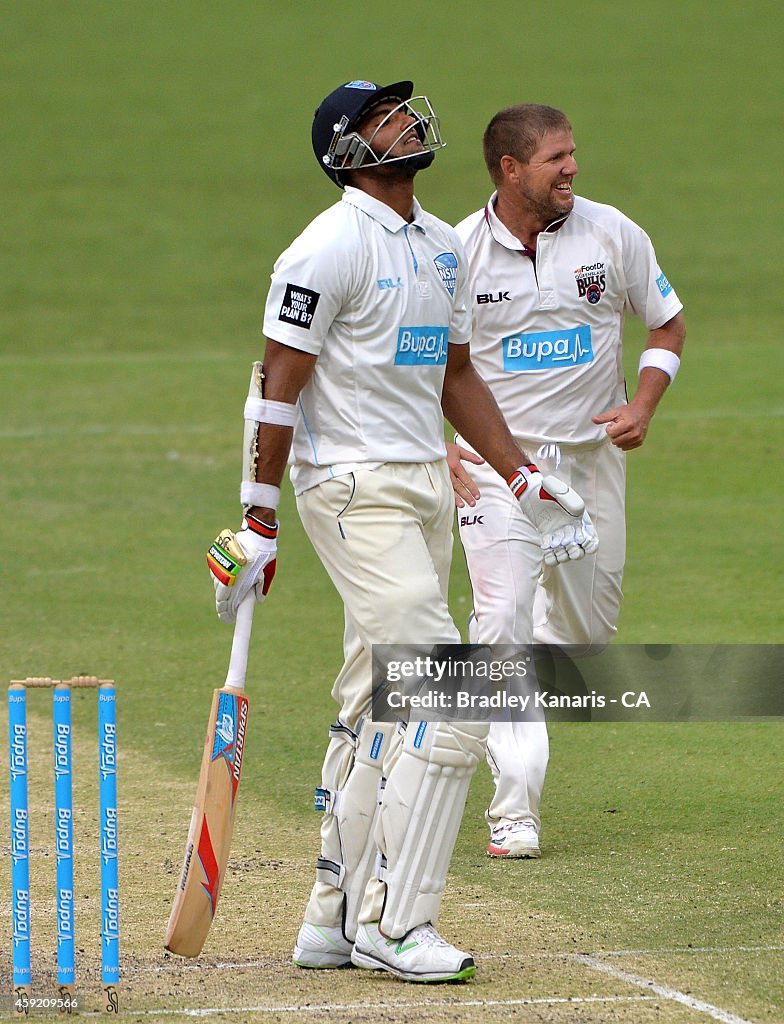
238 662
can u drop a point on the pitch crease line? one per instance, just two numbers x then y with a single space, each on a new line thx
663 991
693 949
285 962
211 1011
634 952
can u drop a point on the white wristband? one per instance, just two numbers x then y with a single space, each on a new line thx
660 359
262 410
263 495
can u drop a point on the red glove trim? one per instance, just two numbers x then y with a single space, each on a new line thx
262 529
220 574
269 575
518 483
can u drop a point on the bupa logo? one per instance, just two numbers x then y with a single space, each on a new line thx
111 920
446 265
663 285
109 841
19 835
62 758
422 346
547 350
108 753
18 752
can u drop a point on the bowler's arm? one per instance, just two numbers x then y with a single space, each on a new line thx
627 425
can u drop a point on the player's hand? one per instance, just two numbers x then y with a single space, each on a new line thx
466 491
241 562
558 513
627 425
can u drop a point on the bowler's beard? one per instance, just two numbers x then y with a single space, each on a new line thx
544 210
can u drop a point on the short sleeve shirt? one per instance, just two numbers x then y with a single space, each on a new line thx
547 332
379 301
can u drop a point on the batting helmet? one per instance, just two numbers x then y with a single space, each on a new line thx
338 146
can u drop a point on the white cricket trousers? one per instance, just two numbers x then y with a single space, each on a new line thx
384 537
518 600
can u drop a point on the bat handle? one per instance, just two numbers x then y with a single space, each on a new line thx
238 662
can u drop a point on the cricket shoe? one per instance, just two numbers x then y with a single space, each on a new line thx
514 839
421 955
321 947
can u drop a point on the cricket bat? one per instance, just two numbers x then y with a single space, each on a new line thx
212 821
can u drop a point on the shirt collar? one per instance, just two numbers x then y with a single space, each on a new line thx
382 213
501 232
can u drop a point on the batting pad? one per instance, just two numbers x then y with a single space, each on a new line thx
349 796
421 809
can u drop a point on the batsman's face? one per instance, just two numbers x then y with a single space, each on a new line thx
387 126
545 182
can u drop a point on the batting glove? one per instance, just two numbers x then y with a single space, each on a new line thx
241 562
558 513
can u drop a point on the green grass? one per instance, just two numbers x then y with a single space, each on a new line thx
668 847
156 161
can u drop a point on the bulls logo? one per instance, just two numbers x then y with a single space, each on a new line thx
591 281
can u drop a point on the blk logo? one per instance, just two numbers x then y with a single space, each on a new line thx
486 297
472 520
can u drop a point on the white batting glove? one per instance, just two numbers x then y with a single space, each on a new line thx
558 513
241 562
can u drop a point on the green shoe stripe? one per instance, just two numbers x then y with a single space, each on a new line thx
464 975
400 948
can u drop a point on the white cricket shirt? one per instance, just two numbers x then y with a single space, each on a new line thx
378 300
547 334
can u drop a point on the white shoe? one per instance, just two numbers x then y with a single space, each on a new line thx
421 955
514 839
321 947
